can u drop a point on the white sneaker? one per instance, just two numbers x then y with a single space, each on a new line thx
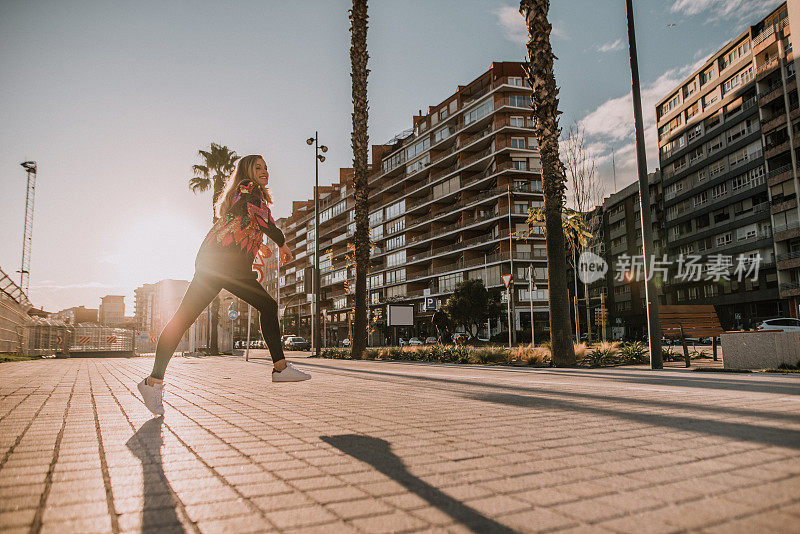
290 374
152 396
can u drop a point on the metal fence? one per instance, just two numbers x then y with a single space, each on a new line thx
46 338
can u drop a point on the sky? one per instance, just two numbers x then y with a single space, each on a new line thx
114 99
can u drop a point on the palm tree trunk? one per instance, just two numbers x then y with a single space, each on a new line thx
544 96
360 141
213 347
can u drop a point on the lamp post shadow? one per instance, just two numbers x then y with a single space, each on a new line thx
159 500
377 453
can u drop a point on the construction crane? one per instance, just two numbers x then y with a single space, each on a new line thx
24 272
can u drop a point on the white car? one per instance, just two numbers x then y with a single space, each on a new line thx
784 324
415 341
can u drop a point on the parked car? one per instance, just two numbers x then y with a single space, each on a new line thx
784 324
431 340
402 342
346 342
415 341
296 343
284 337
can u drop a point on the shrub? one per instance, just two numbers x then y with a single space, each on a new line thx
531 355
669 355
634 353
602 354
580 350
489 355
370 353
334 352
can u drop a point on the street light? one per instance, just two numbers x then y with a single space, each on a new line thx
315 277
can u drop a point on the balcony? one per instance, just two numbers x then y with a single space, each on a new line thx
457 246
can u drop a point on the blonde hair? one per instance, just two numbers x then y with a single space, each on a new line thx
242 172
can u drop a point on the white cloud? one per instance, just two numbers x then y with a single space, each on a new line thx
611 125
514 28
617 45
730 10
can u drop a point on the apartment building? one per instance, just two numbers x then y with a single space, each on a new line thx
716 199
617 229
112 310
448 202
776 84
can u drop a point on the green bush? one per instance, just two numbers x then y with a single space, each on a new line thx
602 354
486 355
335 352
633 353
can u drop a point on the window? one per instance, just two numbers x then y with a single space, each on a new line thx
421 163
517 121
396 242
740 78
479 112
669 105
719 190
376 232
716 168
746 232
376 280
397 258
740 130
418 148
515 80
448 186
443 113
396 209
521 208
519 164
394 160
701 199
692 110
375 218
519 101
724 239
706 75
396 291
395 226
518 142
333 211
393 277
689 88
443 133
735 53
714 144
448 282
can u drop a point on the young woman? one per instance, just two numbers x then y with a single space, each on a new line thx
225 261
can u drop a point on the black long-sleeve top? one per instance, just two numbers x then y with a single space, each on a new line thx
232 243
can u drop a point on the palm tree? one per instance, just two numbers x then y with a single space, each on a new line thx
218 164
544 102
360 141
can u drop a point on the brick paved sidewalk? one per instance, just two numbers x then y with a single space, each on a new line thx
389 446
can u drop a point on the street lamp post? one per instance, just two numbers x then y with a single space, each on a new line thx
651 294
315 284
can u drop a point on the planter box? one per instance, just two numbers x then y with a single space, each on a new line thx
760 350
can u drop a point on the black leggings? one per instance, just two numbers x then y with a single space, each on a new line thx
201 292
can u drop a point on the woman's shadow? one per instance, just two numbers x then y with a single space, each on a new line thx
378 453
159 499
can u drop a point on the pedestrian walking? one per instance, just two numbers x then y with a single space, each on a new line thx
225 261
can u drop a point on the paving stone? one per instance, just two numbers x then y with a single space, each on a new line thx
384 447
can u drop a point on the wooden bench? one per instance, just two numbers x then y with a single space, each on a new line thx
682 321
